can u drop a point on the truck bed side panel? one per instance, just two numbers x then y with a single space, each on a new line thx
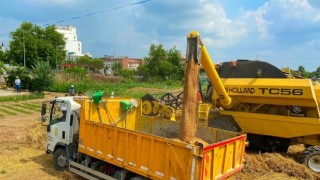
148 155
223 158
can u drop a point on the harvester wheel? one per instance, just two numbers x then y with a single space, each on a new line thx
147 107
311 158
60 159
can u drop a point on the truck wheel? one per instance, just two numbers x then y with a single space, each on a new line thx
60 159
311 158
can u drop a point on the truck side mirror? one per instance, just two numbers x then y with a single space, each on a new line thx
43 112
43 109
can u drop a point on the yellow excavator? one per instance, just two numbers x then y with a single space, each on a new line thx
257 98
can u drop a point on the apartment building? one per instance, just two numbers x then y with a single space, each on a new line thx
125 61
73 46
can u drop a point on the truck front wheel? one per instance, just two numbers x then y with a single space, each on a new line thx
311 158
60 159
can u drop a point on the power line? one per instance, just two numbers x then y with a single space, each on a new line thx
101 11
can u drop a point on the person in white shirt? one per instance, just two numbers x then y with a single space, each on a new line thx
17 82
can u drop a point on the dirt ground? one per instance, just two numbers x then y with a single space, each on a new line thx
11 92
22 150
22 143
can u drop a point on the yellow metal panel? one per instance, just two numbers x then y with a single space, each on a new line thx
208 66
156 157
109 112
297 92
275 125
223 158
148 159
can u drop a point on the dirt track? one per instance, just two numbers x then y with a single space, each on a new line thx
11 93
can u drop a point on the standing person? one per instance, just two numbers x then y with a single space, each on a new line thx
17 82
72 91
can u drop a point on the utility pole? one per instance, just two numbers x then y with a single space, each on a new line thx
24 52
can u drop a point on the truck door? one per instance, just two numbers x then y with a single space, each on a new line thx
73 126
57 128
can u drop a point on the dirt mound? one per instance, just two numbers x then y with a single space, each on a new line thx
37 135
274 166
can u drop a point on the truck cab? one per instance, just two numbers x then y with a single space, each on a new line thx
62 123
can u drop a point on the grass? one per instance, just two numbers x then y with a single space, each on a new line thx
17 109
118 89
21 97
24 106
32 105
7 112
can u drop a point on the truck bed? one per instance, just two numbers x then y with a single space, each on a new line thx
149 146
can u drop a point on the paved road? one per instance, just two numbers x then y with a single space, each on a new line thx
11 93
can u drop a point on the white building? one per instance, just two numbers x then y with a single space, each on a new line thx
73 46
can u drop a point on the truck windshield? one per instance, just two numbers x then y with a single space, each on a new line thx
58 112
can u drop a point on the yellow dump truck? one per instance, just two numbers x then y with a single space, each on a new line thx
109 138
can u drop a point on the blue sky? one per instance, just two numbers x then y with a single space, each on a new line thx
281 32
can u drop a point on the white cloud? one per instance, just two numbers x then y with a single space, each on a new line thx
212 21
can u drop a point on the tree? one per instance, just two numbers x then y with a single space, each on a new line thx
24 76
174 57
162 64
98 64
157 54
302 71
84 61
37 44
2 56
2 68
317 72
43 76
89 63
117 68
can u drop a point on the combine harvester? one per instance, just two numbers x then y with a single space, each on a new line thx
110 138
257 98
273 110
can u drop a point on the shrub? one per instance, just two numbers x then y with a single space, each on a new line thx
76 73
23 74
43 76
